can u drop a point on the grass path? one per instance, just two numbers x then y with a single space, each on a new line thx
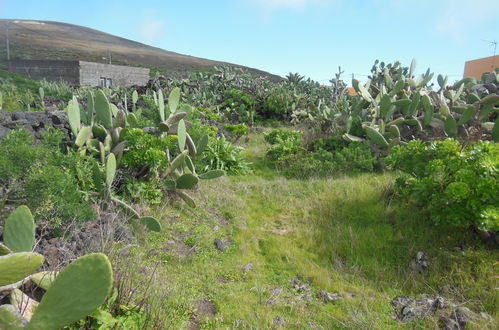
333 234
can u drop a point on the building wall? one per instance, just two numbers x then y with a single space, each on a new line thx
476 68
91 73
50 70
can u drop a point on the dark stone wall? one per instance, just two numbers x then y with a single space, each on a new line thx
90 74
79 73
67 71
34 121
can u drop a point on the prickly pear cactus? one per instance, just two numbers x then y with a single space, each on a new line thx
19 231
76 292
15 267
11 319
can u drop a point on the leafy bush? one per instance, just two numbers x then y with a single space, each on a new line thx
145 150
277 103
276 135
220 154
284 144
457 185
324 156
237 130
238 106
43 177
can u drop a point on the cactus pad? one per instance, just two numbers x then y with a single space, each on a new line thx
19 232
213 174
187 181
43 279
151 223
10 318
16 266
77 291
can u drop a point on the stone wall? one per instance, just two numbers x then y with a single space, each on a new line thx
34 121
90 74
79 73
67 71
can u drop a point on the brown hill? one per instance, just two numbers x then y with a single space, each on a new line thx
31 39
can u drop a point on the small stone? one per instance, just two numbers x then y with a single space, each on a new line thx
448 323
271 301
299 285
420 263
152 253
409 308
279 321
328 297
462 315
221 245
276 292
486 316
248 267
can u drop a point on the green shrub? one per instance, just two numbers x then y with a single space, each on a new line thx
237 130
277 135
322 157
238 106
457 185
277 103
145 150
220 154
43 178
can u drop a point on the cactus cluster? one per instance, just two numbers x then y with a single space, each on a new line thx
393 108
100 128
70 294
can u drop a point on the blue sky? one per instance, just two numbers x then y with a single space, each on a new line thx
312 37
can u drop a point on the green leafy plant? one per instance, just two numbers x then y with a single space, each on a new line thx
237 130
457 185
43 177
221 154
238 106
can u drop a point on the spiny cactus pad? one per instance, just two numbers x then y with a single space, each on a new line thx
103 114
187 181
173 99
151 223
16 266
10 318
74 116
77 291
43 279
19 232
110 169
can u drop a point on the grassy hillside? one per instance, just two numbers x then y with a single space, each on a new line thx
55 40
331 234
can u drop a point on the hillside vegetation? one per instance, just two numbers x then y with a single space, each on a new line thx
222 200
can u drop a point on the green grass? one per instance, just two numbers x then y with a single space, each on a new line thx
343 235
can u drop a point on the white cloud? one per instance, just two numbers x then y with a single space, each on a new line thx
269 6
459 17
151 30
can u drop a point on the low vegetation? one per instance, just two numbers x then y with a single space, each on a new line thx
227 200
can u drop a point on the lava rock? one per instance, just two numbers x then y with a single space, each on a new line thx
299 285
279 321
248 267
408 308
420 263
222 245
328 297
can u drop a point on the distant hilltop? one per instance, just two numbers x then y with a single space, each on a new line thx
44 40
